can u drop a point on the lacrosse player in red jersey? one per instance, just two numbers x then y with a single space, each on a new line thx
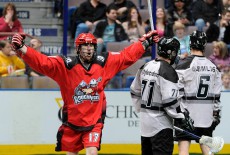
82 80
200 82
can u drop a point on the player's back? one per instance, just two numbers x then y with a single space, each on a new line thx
201 82
156 76
158 90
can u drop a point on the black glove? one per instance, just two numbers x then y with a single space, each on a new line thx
216 119
17 41
186 123
149 38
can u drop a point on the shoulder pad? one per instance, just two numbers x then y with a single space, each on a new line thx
70 62
168 72
185 64
101 59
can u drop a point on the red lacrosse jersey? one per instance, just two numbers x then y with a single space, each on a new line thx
82 89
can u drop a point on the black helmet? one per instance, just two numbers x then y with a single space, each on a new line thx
168 48
198 40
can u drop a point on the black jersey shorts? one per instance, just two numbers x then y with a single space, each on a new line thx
160 144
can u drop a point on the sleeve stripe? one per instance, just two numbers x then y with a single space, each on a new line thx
152 107
135 94
170 103
195 98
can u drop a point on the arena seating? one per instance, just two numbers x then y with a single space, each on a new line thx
14 82
41 21
107 2
129 73
43 82
117 46
38 20
208 49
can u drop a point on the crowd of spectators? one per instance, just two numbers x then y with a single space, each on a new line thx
121 21
220 29
10 63
172 20
199 13
109 30
178 13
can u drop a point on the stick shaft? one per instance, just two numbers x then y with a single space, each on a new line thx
150 14
186 132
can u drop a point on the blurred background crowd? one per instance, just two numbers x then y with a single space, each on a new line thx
115 24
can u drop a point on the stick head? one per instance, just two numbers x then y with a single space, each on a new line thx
214 143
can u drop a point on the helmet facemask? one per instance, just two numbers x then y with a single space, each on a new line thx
86 45
86 52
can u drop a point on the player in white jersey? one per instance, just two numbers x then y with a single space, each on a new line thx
154 92
200 83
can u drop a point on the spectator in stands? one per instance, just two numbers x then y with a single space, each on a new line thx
220 56
206 12
88 14
180 35
109 30
225 80
123 7
226 38
169 3
226 3
220 29
161 20
178 12
35 44
9 21
58 8
134 27
10 64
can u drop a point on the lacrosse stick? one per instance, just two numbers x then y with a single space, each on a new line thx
214 143
150 14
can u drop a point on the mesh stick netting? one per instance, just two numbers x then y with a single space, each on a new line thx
214 143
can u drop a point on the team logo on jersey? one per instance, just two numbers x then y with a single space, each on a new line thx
68 60
85 91
100 58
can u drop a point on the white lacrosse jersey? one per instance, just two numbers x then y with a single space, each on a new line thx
200 87
154 93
